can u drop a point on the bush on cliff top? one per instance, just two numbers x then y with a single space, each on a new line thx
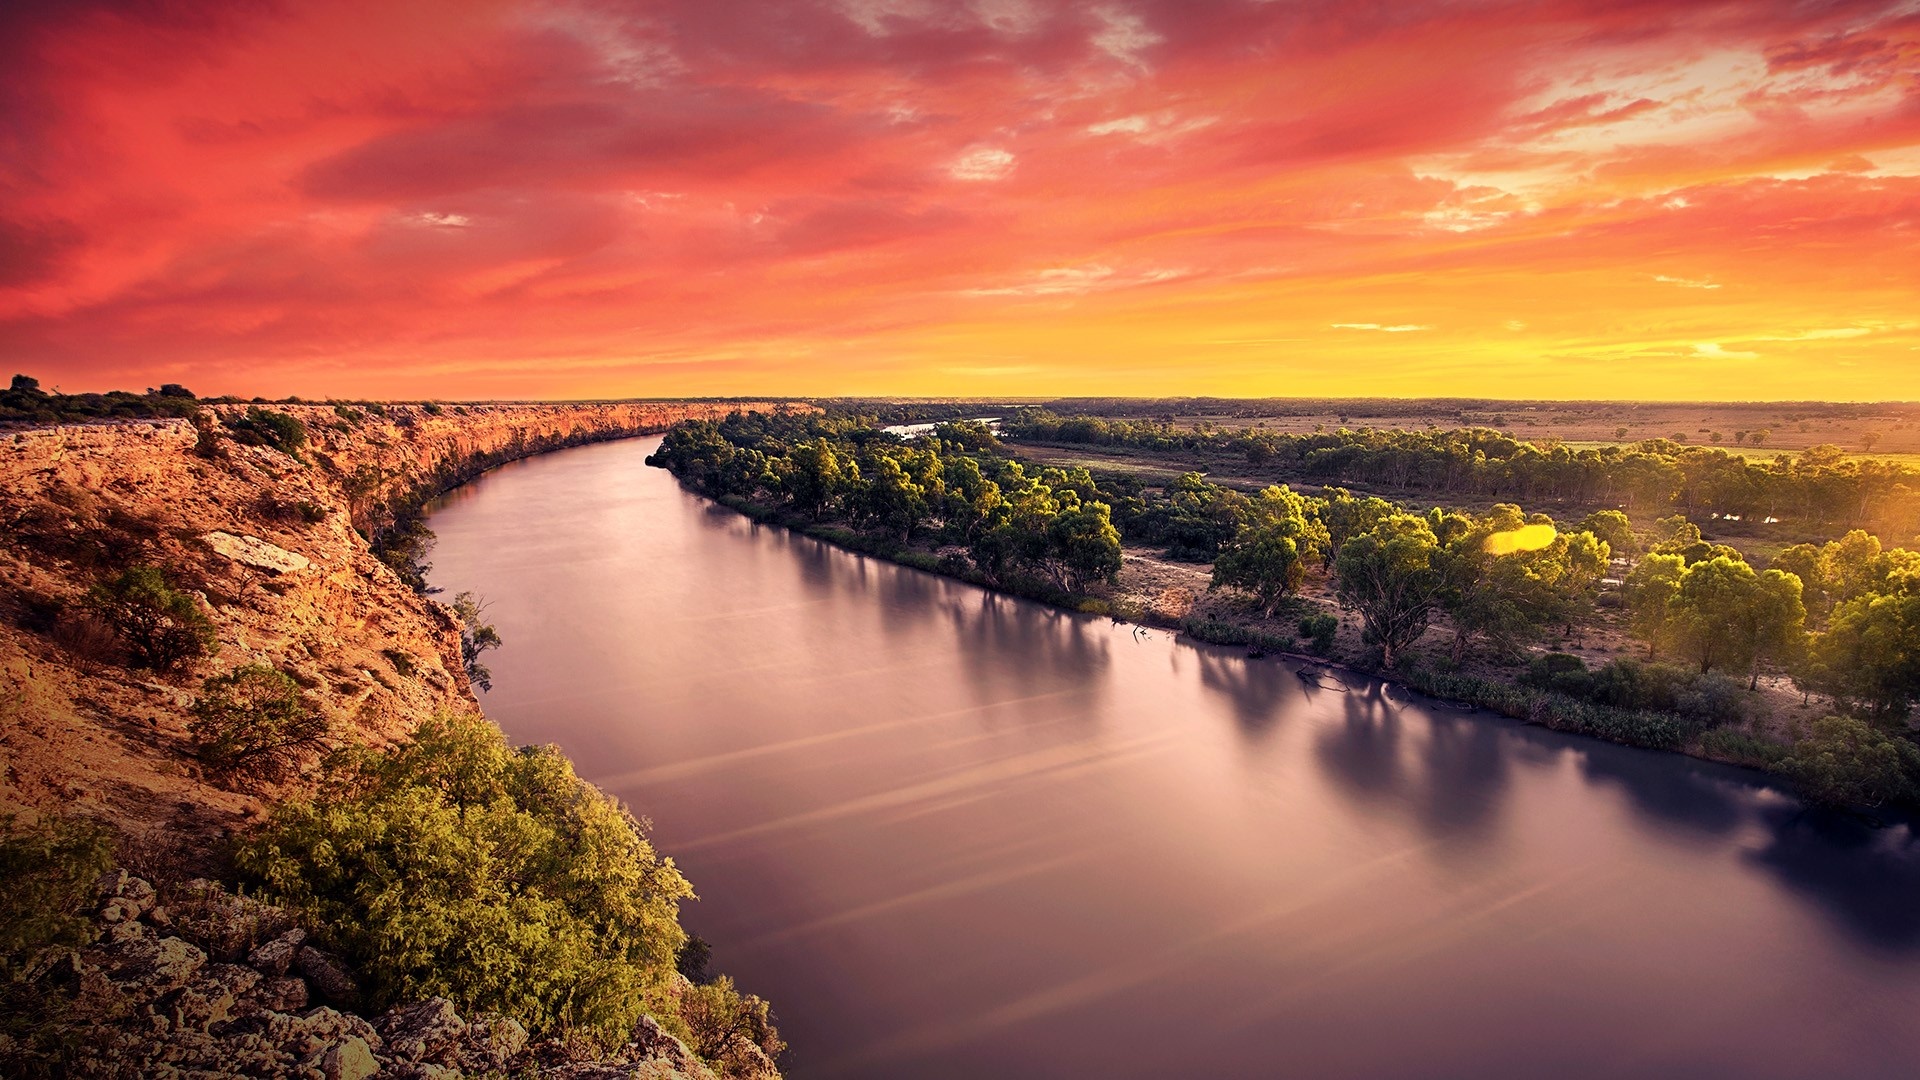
265 427
455 865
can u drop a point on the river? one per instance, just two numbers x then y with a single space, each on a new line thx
953 834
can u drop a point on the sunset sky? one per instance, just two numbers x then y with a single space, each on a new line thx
702 197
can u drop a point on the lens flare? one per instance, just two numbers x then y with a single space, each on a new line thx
1524 538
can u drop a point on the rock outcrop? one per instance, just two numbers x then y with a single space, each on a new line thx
153 996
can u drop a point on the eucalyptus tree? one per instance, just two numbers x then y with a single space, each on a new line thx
1387 575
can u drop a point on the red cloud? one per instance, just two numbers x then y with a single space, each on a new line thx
325 200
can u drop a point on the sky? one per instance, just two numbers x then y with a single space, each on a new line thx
1568 199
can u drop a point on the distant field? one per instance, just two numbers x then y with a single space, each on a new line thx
1894 431
1767 453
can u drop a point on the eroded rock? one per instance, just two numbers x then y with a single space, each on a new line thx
257 553
276 956
326 976
349 1059
429 1031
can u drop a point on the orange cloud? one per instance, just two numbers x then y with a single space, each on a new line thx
1563 198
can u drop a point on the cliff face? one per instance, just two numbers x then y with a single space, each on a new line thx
265 543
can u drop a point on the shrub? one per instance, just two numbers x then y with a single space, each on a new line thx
47 876
457 866
1558 671
1634 686
1849 762
85 634
919 560
265 427
47 871
1219 632
1562 712
161 626
1319 631
1717 699
253 721
403 546
1742 748
725 1027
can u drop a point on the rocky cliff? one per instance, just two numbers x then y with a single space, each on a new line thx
266 543
257 529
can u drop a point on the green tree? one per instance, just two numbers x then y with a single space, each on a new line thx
1849 762
1648 592
890 497
1774 623
816 476
477 636
1387 575
1727 616
254 721
1674 534
1803 561
1870 652
1346 517
457 866
1083 544
162 627
1613 527
1269 555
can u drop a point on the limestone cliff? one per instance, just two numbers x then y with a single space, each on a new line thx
266 543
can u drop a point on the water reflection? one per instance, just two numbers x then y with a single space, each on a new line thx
952 834
1866 878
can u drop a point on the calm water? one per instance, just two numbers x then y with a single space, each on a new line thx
956 835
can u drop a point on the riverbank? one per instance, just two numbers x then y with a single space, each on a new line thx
1153 591
252 524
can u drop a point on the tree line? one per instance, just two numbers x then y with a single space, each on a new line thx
1046 533
1818 486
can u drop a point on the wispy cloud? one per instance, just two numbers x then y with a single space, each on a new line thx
982 163
1395 328
1686 283
1076 280
1713 350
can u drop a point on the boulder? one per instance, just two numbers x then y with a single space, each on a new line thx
282 993
209 998
651 1042
490 1042
144 965
349 1059
276 956
326 976
225 925
429 1031
123 897
257 553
